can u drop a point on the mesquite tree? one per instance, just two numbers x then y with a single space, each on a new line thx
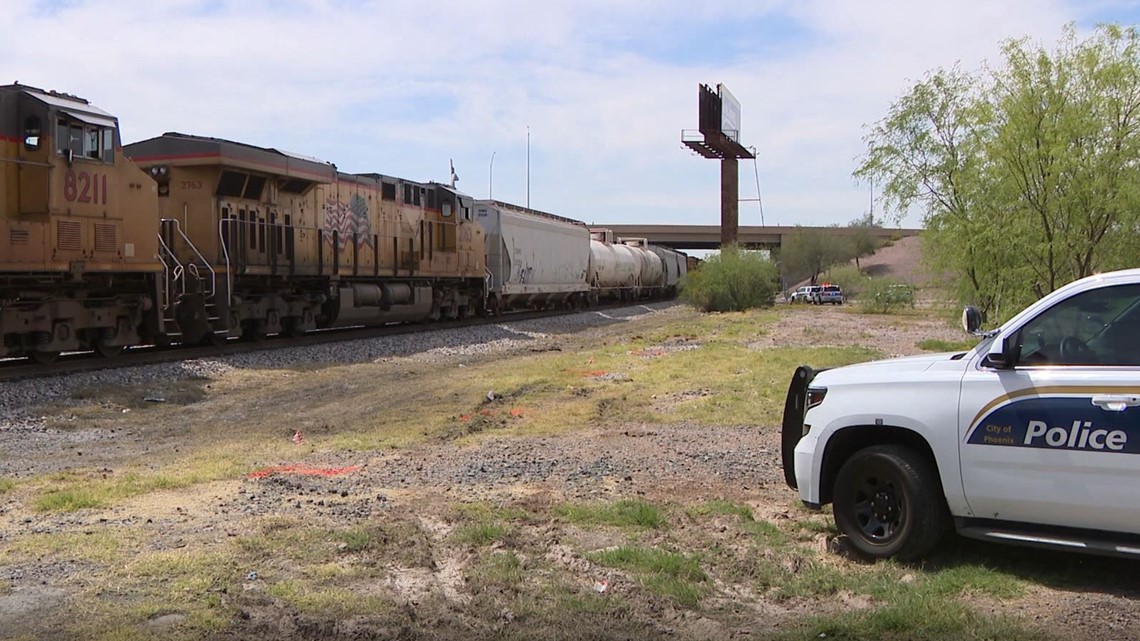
1028 172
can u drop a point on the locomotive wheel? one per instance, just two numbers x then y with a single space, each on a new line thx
44 358
253 332
107 351
291 327
212 339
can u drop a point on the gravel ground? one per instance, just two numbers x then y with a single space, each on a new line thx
24 430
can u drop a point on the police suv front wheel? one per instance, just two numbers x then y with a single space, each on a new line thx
888 501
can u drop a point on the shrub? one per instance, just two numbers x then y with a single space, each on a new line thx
849 278
733 280
885 295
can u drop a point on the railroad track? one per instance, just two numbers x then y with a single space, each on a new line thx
72 363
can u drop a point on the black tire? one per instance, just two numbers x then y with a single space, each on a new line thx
888 501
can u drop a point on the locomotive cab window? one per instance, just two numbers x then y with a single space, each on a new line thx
85 141
32 133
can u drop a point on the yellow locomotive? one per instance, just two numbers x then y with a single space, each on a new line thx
78 265
259 241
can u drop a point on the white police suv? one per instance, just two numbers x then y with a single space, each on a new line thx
1032 437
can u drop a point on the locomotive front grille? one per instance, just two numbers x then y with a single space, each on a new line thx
70 235
106 237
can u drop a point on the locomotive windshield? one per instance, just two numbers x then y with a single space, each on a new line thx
85 140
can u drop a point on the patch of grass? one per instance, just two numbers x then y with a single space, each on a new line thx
939 345
190 582
77 490
479 534
102 546
625 513
502 568
920 617
592 604
118 621
795 571
726 508
330 602
681 590
613 383
767 532
973 579
396 540
669 574
69 500
355 539
483 511
7 485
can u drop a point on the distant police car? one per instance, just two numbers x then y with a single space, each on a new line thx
830 294
805 294
1031 437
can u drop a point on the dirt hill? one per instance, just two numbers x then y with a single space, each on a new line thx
902 260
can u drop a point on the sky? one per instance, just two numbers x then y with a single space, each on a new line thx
573 106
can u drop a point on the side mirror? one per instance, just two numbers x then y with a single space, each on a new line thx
972 319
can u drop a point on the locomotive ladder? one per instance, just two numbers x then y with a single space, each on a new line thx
184 282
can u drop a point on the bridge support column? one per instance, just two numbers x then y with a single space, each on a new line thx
729 201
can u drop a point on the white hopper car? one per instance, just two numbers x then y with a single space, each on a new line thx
541 260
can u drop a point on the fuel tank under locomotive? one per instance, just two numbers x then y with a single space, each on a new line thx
367 303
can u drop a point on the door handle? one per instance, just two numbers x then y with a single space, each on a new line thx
1116 402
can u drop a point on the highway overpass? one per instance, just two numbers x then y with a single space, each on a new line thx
708 236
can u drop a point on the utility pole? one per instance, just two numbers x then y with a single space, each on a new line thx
528 166
491 178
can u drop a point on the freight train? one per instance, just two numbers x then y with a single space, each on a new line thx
191 239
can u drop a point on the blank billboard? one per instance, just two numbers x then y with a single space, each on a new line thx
729 113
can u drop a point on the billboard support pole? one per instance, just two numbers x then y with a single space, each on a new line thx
729 201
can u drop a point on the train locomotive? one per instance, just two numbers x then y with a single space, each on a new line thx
190 239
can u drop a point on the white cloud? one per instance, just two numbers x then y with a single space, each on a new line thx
400 87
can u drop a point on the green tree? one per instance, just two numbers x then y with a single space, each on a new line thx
1028 172
861 242
807 253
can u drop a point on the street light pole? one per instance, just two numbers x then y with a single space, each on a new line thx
491 178
528 166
